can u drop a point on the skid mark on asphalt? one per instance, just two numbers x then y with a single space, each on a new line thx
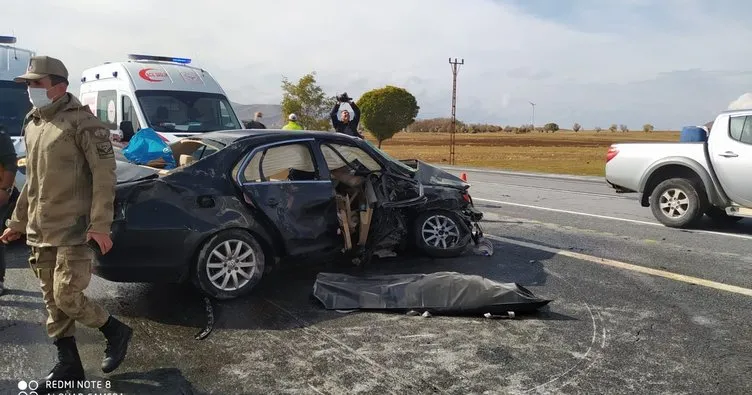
627 266
591 355
306 326
607 217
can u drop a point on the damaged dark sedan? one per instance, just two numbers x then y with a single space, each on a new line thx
243 201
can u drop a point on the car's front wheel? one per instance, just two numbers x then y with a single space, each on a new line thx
229 264
440 234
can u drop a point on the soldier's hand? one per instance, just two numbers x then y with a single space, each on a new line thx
9 235
102 239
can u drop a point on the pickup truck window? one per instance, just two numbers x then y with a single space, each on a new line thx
740 129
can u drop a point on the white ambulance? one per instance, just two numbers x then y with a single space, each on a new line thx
163 93
14 99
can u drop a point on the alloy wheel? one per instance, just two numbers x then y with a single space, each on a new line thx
231 265
674 203
440 231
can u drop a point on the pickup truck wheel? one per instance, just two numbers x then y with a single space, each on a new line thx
678 203
719 216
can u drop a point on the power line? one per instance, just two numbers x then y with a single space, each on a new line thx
455 69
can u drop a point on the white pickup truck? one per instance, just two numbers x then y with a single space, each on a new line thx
683 181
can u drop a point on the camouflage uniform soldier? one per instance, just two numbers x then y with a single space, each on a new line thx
67 201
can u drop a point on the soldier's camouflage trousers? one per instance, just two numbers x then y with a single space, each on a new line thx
64 273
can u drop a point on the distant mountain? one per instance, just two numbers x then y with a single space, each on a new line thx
272 113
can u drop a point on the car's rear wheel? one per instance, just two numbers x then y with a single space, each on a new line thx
229 264
440 234
678 203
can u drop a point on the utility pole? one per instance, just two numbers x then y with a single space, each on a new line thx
455 68
533 104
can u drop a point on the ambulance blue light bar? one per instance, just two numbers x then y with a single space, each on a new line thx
7 40
159 58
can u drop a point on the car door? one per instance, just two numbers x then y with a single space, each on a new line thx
283 182
732 159
394 189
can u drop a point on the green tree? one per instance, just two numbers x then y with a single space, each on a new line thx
647 128
550 127
576 127
308 101
386 111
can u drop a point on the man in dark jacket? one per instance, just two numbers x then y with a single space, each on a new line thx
256 122
346 126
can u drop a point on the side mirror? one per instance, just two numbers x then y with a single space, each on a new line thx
127 128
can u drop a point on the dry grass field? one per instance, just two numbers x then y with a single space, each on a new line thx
565 152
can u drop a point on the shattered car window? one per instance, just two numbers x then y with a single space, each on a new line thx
277 163
353 156
391 158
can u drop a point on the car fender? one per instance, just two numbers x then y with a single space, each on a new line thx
648 181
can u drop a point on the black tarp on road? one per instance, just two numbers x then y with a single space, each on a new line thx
449 293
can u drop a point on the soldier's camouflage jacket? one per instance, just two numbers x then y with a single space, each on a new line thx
70 176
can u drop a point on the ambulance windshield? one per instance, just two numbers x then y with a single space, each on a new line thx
14 105
185 111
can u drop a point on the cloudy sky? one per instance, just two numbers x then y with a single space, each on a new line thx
667 62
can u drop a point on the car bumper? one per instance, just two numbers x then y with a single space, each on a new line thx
473 214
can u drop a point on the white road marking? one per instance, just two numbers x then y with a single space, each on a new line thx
567 177
634 221
627 266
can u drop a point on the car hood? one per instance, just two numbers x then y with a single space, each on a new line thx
430 175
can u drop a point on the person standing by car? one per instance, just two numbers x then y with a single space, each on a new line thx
256 123
8 168
70 167
292 123
346 126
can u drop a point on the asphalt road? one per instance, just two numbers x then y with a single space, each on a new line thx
610 328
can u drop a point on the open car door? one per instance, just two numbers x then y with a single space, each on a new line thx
282 182
363 185
392 188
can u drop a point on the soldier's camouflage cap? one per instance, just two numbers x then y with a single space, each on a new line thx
43 66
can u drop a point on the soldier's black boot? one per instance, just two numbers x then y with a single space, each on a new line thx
118 336
68 368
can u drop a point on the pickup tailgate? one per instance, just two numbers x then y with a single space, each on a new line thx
627 163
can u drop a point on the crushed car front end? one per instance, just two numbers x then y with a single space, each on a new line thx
449 192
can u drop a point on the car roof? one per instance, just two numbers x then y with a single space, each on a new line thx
228 137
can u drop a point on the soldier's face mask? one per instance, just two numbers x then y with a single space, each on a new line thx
38 97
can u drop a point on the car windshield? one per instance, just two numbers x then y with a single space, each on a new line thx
396 162
182 111
14 105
